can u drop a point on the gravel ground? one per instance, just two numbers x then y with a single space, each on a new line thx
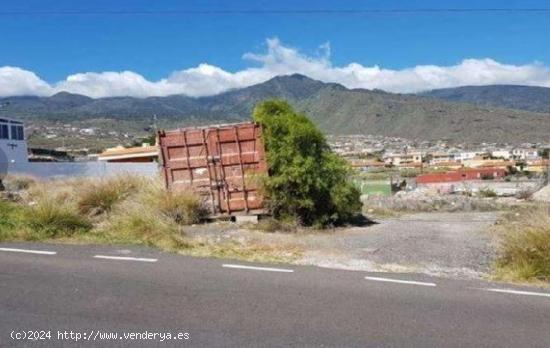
543 194
453 244
448 244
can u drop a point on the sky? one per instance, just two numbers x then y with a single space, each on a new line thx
152 48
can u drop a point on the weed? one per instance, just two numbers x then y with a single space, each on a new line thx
184 208
487 193
97 197
524 245
51 218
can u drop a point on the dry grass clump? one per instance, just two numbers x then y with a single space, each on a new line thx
144 213
19 182
99 196
487 193
51 211
524 245
134 223
122 210
50 217
184 208
62 191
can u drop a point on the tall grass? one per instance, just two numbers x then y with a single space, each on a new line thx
524 245
19 182
135 223
51 218
122 210
100 196
182 207
11 220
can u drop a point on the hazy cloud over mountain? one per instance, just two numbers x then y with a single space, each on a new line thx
279 59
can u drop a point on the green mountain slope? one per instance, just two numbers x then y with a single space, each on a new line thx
506 96
336 109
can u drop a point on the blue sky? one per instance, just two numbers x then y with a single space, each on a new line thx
154 46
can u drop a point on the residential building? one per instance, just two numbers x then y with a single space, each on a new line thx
526 154
441 157
464 156
12 141
144 153
504 154
410 159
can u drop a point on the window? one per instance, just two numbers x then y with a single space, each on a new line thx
4 131
17 133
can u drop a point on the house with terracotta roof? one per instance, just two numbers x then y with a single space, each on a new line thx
139 154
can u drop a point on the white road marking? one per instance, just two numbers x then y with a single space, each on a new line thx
518 292
125 258
410 282
268 269
29 251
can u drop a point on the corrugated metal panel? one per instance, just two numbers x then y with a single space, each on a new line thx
221 163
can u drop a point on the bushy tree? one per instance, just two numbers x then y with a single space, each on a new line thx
307 181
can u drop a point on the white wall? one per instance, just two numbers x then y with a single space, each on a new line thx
46 170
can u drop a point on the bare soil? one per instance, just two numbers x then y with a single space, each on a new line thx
447 244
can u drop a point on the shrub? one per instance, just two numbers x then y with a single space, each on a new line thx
487 193
524 245
97 197
306 182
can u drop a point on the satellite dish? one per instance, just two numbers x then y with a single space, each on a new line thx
3 164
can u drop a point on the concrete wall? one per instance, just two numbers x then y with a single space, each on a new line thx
501 187
47 170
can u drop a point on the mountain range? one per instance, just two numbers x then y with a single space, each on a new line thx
528 98
511 114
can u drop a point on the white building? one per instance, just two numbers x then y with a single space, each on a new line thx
441 157
464 156
525 154
12 141
504 154
404 159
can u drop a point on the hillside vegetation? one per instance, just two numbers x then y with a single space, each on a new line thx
528 98
336 109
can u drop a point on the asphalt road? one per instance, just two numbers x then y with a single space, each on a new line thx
80 289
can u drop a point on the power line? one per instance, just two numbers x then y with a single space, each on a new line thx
71 12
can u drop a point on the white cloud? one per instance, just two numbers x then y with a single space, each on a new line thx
16 81
279 59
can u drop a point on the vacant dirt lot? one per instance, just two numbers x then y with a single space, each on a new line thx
451 244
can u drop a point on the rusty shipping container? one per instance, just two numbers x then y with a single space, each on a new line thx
221 163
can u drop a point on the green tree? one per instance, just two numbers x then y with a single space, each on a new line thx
307 181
